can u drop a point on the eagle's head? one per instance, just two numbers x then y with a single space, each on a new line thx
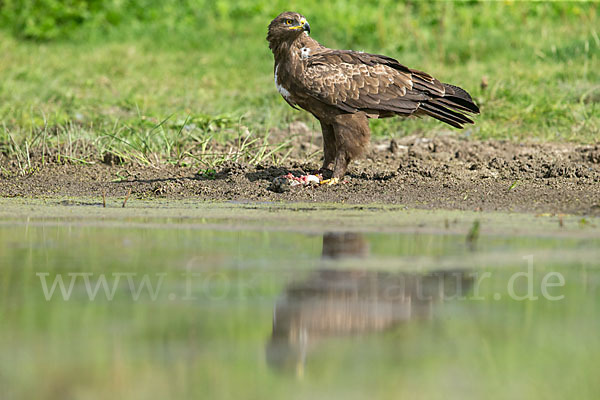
285 27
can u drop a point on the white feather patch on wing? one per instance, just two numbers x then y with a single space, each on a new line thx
283 91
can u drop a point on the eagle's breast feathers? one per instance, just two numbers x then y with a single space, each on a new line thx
282 90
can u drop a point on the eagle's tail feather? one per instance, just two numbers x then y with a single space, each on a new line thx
439 112
448 108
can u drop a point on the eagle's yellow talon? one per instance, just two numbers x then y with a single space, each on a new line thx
330 182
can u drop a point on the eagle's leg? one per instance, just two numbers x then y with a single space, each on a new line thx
328 145
341 165
339 168
352 136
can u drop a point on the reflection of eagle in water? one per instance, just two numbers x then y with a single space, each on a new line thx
342 302
344 88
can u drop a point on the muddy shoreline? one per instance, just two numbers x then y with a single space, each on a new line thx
441 172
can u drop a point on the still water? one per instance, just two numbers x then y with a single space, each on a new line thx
264 301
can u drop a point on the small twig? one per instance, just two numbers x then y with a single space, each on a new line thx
126 198
104 198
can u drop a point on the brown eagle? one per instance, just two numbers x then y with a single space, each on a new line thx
344 88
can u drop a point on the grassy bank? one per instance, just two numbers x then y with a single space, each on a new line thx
166 82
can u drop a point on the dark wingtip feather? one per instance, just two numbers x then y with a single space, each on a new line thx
461 99
441 113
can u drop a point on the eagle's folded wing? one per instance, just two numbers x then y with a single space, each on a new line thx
355 81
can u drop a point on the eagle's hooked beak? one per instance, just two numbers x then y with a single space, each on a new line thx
303 25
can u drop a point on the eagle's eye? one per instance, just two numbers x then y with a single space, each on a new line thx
288 21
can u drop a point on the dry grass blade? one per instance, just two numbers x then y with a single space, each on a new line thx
126 198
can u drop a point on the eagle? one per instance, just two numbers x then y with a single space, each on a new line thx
343 89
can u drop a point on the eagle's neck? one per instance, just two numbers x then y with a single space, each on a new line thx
290 64
291 52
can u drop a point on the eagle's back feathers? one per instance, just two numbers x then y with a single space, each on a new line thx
353 81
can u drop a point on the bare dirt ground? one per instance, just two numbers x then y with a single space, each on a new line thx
441 172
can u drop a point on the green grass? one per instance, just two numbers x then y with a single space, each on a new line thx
177 81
